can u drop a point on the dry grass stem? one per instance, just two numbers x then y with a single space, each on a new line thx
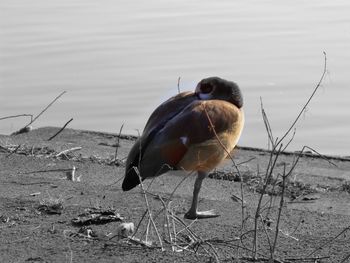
329 242
68 150
118 142
148 208
267 125
178 84
310 98
48 106
27 127
167 227
284 176
70 255
64 126
16 116
277 149
140 221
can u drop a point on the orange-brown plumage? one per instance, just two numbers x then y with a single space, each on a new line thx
190 131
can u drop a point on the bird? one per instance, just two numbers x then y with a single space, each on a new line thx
191 131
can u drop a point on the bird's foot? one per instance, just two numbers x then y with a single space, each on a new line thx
201 215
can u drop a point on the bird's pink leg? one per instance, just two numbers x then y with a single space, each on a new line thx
193 213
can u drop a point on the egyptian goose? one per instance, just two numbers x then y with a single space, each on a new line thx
192 131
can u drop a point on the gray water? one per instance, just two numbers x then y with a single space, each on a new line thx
118 60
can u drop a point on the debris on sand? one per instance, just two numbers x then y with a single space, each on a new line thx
23 130
51 206
71 176
51 209
126 229
96 216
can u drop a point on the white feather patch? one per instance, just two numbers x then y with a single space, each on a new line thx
184 140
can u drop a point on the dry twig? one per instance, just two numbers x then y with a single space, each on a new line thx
310 98
118 143
16 116
60 130
68 150
329 242
48 106
148 208
277 149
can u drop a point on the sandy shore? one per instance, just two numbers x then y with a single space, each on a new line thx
35 172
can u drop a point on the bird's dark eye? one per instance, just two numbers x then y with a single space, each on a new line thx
206 88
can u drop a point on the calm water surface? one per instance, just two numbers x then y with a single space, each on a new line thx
118 60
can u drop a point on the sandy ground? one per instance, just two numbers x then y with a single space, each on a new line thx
314 224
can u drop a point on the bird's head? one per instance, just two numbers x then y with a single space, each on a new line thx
215 88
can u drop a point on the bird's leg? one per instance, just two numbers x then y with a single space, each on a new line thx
193 213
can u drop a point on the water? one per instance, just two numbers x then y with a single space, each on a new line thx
118 60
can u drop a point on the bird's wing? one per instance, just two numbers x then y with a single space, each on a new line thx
199 127
168 110
158 119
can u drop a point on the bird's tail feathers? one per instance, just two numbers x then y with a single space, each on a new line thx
131 179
